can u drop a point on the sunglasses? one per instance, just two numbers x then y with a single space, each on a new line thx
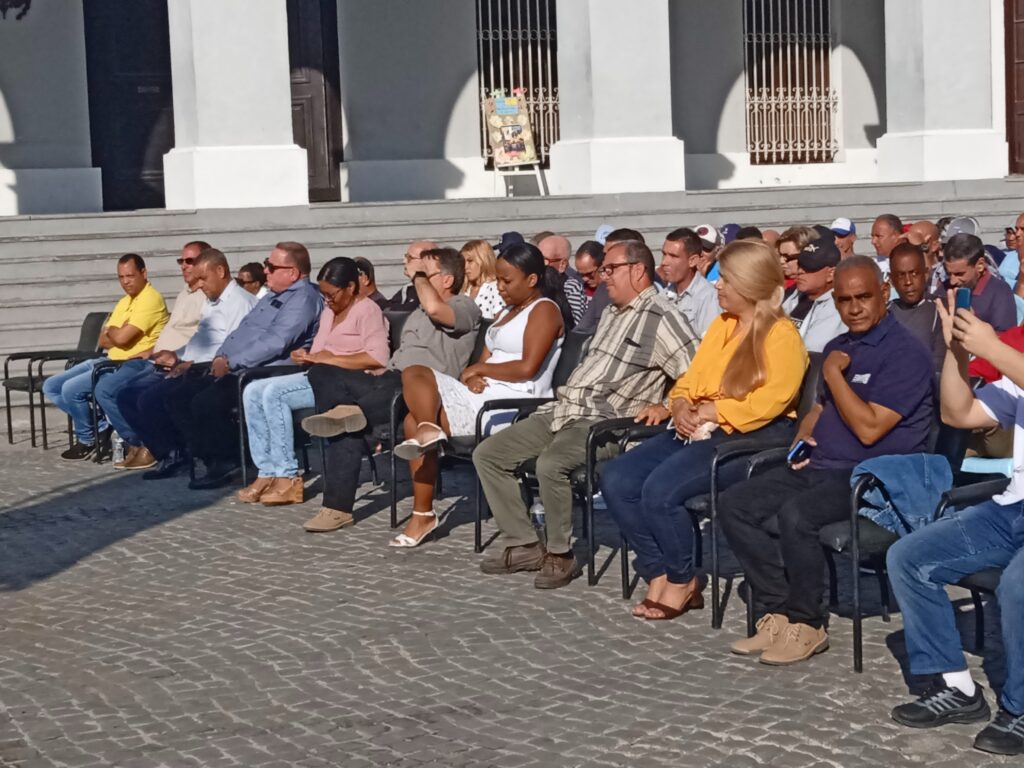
240 281
190 260
272 268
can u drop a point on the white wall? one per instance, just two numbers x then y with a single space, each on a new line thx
709 111
409 100
45 155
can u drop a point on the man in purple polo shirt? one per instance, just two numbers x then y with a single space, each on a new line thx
991 297
876 397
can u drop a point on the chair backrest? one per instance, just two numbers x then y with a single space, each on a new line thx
396 322
89 336
569 360
809 388
481 340
948 441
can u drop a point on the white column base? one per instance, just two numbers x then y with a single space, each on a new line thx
236 177
631 164
942 155
26 191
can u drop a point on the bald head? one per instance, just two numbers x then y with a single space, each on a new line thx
415 250
926 235
556 250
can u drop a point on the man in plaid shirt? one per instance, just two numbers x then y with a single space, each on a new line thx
642 344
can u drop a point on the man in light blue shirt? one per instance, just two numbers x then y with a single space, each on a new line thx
812 307
694 296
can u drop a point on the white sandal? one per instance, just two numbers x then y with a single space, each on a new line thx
404 541
412 448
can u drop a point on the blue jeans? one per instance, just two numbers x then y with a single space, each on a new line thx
268 416
70 391
133 373
646 488
962 542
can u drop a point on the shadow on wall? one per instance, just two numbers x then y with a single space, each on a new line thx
708 103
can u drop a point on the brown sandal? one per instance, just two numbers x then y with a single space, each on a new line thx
642 605
696 602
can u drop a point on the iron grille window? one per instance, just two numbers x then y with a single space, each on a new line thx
517 53
791 105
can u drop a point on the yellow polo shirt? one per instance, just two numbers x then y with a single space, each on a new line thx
147 312
785 358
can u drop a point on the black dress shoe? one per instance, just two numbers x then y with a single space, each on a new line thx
166 467
218 473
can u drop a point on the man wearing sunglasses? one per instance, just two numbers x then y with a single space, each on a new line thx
406 298
283 320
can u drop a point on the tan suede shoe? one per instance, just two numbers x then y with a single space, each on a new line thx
284 490
769 627
328 520
336 421
252 492
797 643
142 459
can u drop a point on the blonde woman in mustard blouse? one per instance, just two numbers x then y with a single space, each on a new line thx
744 379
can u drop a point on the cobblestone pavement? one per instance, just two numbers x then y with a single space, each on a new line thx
142 625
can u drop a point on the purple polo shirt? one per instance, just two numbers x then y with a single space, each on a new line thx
992 300
888 367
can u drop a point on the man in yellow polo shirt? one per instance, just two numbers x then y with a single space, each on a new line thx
130 332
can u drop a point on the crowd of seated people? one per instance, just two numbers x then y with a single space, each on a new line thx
712 343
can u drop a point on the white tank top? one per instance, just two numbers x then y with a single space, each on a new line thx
505 343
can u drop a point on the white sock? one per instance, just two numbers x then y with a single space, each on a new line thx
961 680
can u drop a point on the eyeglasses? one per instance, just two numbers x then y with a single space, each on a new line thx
272 268
591 273
190 260
554 262
607 270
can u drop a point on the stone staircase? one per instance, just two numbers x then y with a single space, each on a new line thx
58 268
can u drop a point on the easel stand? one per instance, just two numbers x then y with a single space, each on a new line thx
506 175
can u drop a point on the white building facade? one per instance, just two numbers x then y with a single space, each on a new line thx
188 104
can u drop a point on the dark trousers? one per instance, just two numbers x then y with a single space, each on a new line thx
201 410
143 407
373 394
646 489
786 571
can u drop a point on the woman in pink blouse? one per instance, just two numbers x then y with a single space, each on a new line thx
352 334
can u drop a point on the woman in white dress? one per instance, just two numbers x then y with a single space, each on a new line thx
523 346
481 278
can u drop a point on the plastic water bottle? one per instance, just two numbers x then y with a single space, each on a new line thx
116 448
537 518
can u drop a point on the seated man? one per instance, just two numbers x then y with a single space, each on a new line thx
440 334
695 297
991 298
406 298
641 345
912 307
963 542
812 307
556 250
876 399
368 283
600 301
140 373
142 403
130 332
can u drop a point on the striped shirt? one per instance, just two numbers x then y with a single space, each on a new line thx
576 298
635 353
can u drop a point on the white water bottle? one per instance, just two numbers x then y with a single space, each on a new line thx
538 520
116 448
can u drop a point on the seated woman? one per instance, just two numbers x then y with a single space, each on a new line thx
745 378
523 346
352 334
481 278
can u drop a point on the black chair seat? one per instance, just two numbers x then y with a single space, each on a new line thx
699 505
984 581
874 539
22 383
460 446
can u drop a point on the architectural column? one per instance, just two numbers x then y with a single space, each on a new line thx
615 100
232 107
945 102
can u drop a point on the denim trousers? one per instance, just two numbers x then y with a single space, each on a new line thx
646 489
70 391
959 544
132 373
268 417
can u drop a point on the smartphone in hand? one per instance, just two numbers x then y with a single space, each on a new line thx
962 299
799 452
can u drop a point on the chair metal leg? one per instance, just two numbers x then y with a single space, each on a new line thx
42 419
478 523
243 437
588 526
858 636
979 621
10 423
883 588
698 543
751 621
716 597
394 488
624 559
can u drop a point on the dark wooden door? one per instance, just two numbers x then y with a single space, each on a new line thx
1015 83
131 116
316 102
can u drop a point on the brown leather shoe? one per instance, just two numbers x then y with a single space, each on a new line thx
252 492
328 519
142 459
526 557
284 490
335 421
128 456
556 571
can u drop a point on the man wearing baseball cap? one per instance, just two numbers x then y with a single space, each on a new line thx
710 243
845 232
811 307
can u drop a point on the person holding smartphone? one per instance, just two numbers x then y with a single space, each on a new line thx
875 398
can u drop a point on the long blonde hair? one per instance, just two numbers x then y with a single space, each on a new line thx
482 251
753 270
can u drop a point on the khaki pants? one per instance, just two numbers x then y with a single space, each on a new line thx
557 453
